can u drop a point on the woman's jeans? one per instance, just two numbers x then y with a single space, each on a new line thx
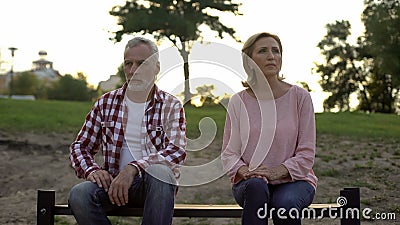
261 201
89 203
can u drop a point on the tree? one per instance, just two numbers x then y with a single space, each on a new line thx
121 74
305 85
372 67
26 83
342 73
382 40
205 92
175 20
70 88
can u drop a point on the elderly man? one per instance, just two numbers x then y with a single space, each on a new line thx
140 131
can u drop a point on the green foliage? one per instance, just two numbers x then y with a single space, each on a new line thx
175 20
70 88
121 74
206 93
26 83
304 85
382 41
382 23
371 69
342 73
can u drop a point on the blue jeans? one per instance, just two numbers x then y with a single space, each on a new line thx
89 203
258 199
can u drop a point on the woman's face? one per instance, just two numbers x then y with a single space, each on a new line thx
267 55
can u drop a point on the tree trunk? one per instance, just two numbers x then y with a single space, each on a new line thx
366 100
185 55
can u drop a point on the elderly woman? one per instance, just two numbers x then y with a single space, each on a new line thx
269 139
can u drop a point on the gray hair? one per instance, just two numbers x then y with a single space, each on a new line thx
141 40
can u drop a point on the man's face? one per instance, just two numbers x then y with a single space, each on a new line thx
140 67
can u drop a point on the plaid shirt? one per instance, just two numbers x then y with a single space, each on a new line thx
163 134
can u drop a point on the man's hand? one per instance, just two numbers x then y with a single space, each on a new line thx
119 188
102 178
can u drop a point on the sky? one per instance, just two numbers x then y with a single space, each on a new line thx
76 34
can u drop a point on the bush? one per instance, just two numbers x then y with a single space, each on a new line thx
70 88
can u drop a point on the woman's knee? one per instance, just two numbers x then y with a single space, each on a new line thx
287 203
256 185
255 191
297 196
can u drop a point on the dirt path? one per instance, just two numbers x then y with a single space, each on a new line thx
31 162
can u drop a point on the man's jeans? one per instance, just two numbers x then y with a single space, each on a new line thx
89 203
258 199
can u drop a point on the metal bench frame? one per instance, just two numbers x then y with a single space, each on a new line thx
47 209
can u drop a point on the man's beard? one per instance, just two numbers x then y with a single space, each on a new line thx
138 85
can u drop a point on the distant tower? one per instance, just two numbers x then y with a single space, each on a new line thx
42 63
44 68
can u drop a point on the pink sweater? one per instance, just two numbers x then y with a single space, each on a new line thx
287 137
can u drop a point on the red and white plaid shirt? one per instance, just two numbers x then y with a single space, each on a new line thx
163 132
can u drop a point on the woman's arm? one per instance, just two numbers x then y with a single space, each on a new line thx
300 165
231 146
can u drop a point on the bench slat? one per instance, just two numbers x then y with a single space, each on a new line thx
47 209
189 210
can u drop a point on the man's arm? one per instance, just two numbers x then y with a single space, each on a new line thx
87 144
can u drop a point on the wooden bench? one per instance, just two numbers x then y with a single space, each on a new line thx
47 209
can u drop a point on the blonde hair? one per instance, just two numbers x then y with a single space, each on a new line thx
247 50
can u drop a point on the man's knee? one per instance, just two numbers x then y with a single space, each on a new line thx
162 173
80 192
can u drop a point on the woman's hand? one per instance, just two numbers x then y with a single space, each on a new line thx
245 174
242 171
270 174
260 172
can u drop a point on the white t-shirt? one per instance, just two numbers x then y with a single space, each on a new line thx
132 149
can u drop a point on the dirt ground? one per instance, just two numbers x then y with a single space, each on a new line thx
36 161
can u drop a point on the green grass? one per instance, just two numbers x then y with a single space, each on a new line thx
42 115
359 125
67 116
332 172
194 115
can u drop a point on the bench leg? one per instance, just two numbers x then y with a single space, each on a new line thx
351 211
45 203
